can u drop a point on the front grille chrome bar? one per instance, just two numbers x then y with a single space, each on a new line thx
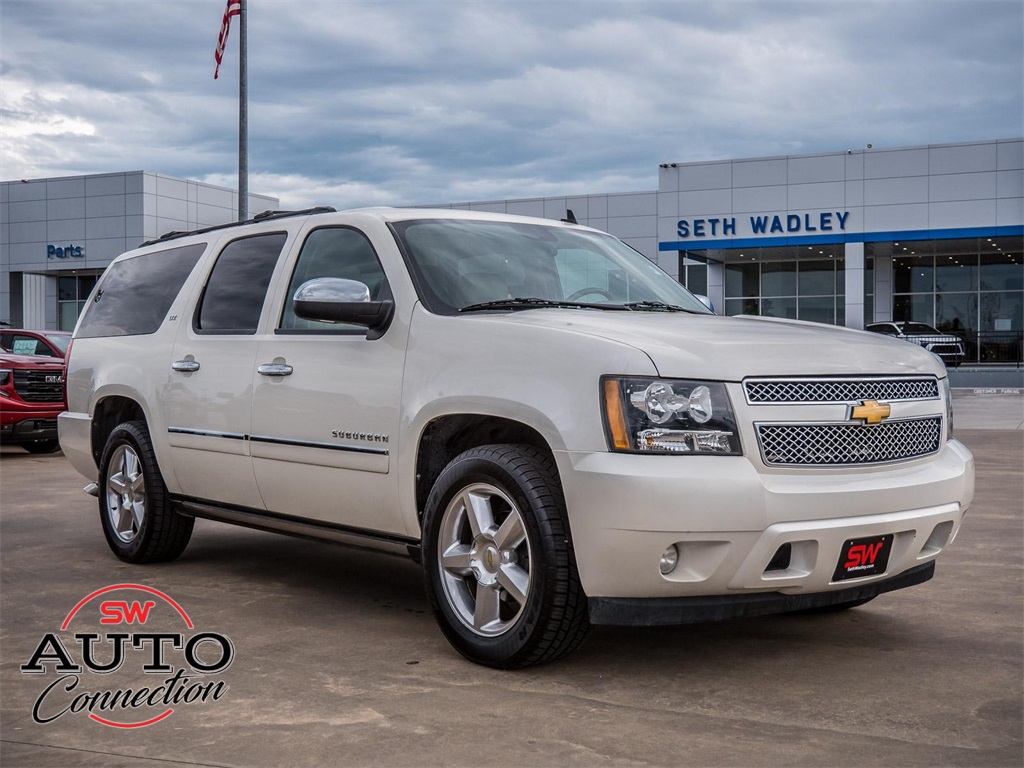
839 390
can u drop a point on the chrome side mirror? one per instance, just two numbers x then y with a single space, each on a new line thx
336 300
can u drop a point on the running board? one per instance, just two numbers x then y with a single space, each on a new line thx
93 490
301 528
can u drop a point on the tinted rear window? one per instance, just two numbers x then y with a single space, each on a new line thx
134 295
237 287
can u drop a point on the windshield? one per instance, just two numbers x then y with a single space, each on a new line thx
918 328
60 341
459 263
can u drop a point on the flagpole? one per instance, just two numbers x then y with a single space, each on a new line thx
243 114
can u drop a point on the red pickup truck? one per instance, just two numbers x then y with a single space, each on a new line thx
31 396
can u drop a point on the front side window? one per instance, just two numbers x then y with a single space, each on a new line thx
237 287
459 263
334 252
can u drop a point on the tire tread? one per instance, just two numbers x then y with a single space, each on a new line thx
167 533
567 623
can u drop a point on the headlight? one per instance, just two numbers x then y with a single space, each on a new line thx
5 375
669 416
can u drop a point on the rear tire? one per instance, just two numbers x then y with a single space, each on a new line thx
138 521
498 558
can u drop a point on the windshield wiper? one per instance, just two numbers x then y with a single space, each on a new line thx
642 305
519 302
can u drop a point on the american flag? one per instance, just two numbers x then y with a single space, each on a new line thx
234 8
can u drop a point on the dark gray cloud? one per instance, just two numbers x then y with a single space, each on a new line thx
410 101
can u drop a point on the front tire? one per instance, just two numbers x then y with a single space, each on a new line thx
499 564
138 521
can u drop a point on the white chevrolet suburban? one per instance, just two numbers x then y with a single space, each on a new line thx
558 431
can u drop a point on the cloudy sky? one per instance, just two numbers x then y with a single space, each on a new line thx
361 102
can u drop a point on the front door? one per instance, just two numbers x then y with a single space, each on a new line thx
326 400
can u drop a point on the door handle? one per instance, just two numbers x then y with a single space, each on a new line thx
185 366
274 369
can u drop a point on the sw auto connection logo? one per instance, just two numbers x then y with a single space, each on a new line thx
98 673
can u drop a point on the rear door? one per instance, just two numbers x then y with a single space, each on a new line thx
208 395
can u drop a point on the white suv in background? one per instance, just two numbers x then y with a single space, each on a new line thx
948 347
554 427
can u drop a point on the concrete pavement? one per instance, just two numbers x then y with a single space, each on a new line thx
989 408
338 660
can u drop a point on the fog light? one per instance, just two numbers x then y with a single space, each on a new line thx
669 560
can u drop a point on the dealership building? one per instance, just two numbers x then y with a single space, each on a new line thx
932 234
58 235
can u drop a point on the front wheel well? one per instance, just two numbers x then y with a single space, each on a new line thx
109 412
446 437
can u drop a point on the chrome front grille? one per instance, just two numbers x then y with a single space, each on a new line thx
832 445
846 390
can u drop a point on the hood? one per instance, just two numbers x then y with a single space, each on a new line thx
731 348
30 361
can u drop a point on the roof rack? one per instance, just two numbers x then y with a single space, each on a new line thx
264 216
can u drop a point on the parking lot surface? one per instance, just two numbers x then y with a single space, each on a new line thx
337 660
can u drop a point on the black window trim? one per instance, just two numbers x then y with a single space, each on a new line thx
206 284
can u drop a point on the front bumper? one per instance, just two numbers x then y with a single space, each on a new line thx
23 428
659 611
728 520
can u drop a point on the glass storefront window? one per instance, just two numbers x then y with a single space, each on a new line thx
67 315
72 293
973 287
1002 311
787 282
697 279
742 307
742 279
778 278
956 273
784 307
956 312
817 278
1001 270
818 309
913 274
913 308
67 289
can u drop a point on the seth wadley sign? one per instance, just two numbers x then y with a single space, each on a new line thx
764 224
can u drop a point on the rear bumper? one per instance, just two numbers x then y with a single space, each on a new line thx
75 431
661 611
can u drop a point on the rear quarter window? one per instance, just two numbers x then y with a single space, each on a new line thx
133 296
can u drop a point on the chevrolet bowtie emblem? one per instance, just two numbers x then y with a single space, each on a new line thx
871 411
